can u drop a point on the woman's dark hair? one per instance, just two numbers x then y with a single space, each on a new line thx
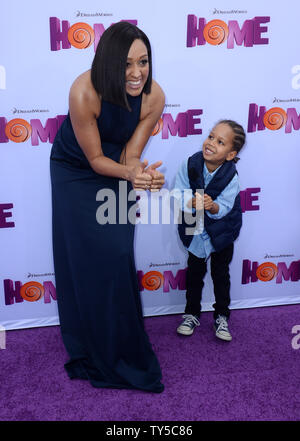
239 135
109 64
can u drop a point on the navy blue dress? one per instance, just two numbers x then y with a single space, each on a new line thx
98 297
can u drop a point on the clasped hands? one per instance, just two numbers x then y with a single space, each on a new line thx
200 202
148 177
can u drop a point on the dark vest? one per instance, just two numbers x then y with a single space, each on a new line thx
224 231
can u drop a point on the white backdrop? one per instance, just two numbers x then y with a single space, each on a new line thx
256 68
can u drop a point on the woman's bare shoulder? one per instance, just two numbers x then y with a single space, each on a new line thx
83 94
157 93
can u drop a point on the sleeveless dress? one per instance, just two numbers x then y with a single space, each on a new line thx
99 305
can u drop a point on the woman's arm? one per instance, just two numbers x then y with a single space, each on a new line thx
85 108
151 110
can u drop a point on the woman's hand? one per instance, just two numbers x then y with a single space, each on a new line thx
158 178
138 177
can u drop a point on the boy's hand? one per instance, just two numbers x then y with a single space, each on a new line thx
210 205
208 202
196 202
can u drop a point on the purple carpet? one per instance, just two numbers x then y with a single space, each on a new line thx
256 377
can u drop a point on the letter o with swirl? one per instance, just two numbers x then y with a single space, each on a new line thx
158 127
266 271
275 118
32 291
18 130
81 35
215 32
152 280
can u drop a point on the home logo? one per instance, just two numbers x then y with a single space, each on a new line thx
216 32
20 130
183 125
80 35
268 271
154 280
16 292
275 118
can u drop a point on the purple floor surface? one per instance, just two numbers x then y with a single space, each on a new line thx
255 377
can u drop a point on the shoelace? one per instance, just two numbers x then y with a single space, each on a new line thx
189 319
222 324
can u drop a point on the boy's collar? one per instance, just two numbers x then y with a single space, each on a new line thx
211 173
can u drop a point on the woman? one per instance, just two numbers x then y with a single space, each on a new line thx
113 109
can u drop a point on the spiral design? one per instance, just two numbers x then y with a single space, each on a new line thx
18 130
32 291
215 32
275 118
158 127
266 271
152 280
81 35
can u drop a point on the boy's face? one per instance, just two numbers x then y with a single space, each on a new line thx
217 148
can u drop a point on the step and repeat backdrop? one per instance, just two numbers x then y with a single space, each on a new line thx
225 59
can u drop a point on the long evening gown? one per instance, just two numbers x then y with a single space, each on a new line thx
98 297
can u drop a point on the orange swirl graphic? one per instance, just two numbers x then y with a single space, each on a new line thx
81 35
215 32
158 127
152 280
275 118
18 130
266 271
32 291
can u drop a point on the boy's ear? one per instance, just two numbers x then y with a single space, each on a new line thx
231 155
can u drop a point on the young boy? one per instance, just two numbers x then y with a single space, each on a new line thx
212 170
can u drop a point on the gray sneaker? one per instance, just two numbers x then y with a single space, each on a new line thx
188 325
221 328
